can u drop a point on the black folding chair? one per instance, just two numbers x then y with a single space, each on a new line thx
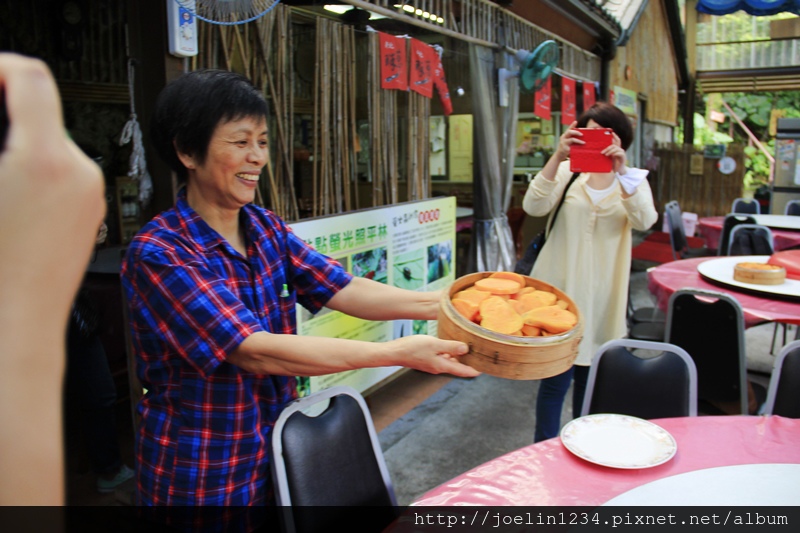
783 395
622 382
710 327
746 205
324 463
751 239
677 234
731 220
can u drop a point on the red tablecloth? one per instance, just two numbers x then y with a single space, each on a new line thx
548 474
711 228
665 279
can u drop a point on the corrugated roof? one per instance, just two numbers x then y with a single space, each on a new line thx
625 12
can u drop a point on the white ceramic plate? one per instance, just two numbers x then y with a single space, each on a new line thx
618 441
749 485
721 271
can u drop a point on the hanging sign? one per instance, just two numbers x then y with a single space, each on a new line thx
568 110
696 164
441 86
409 245
542 99
589 97
394 74
625 100
423 60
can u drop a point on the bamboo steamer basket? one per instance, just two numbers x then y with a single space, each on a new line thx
758 274
509 356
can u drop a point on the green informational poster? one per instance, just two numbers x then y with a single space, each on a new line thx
409 245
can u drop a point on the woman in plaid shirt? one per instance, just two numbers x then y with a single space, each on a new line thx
214 333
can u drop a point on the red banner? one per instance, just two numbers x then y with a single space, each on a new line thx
589 97
542 100
423 62
568 110
441 87
394 74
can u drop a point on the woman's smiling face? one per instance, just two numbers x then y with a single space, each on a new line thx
228 177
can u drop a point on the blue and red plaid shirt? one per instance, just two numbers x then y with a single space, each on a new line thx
192 299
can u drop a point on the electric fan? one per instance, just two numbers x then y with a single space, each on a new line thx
537 66
228 12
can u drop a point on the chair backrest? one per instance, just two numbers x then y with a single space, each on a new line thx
792 208
677 234
750 239
710 326
662 386
746 205
731 220
783 396
329 460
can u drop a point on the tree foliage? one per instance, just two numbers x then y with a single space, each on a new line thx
756 110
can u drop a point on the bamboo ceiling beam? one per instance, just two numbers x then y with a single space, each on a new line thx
420 23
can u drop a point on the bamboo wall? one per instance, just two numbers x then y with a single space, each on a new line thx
656 80
709 194
89 61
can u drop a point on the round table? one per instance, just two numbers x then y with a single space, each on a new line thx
547 474
665 279
711 229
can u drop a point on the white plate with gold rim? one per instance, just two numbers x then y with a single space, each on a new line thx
618 441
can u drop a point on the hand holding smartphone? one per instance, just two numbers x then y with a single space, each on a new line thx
587 157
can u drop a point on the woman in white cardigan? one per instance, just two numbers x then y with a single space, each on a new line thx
588 251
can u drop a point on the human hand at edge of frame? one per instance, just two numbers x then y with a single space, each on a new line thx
51 199
432 355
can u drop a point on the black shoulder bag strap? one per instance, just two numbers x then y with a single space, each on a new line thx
561 201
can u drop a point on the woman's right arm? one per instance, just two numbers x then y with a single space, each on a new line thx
296 355
544 189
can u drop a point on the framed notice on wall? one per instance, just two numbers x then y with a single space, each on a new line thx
409 245
696 164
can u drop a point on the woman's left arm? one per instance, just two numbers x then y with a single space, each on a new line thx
371 300
640 207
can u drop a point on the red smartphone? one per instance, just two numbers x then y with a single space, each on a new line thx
587 157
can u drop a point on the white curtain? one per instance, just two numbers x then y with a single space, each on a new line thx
494 140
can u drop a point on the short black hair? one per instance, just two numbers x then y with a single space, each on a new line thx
609 116
190 108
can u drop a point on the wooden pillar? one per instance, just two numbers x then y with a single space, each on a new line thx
691 60
155 67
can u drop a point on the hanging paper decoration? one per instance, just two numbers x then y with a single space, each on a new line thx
568 110
423 60
589 97
394 74
132 133
441 86
542 100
